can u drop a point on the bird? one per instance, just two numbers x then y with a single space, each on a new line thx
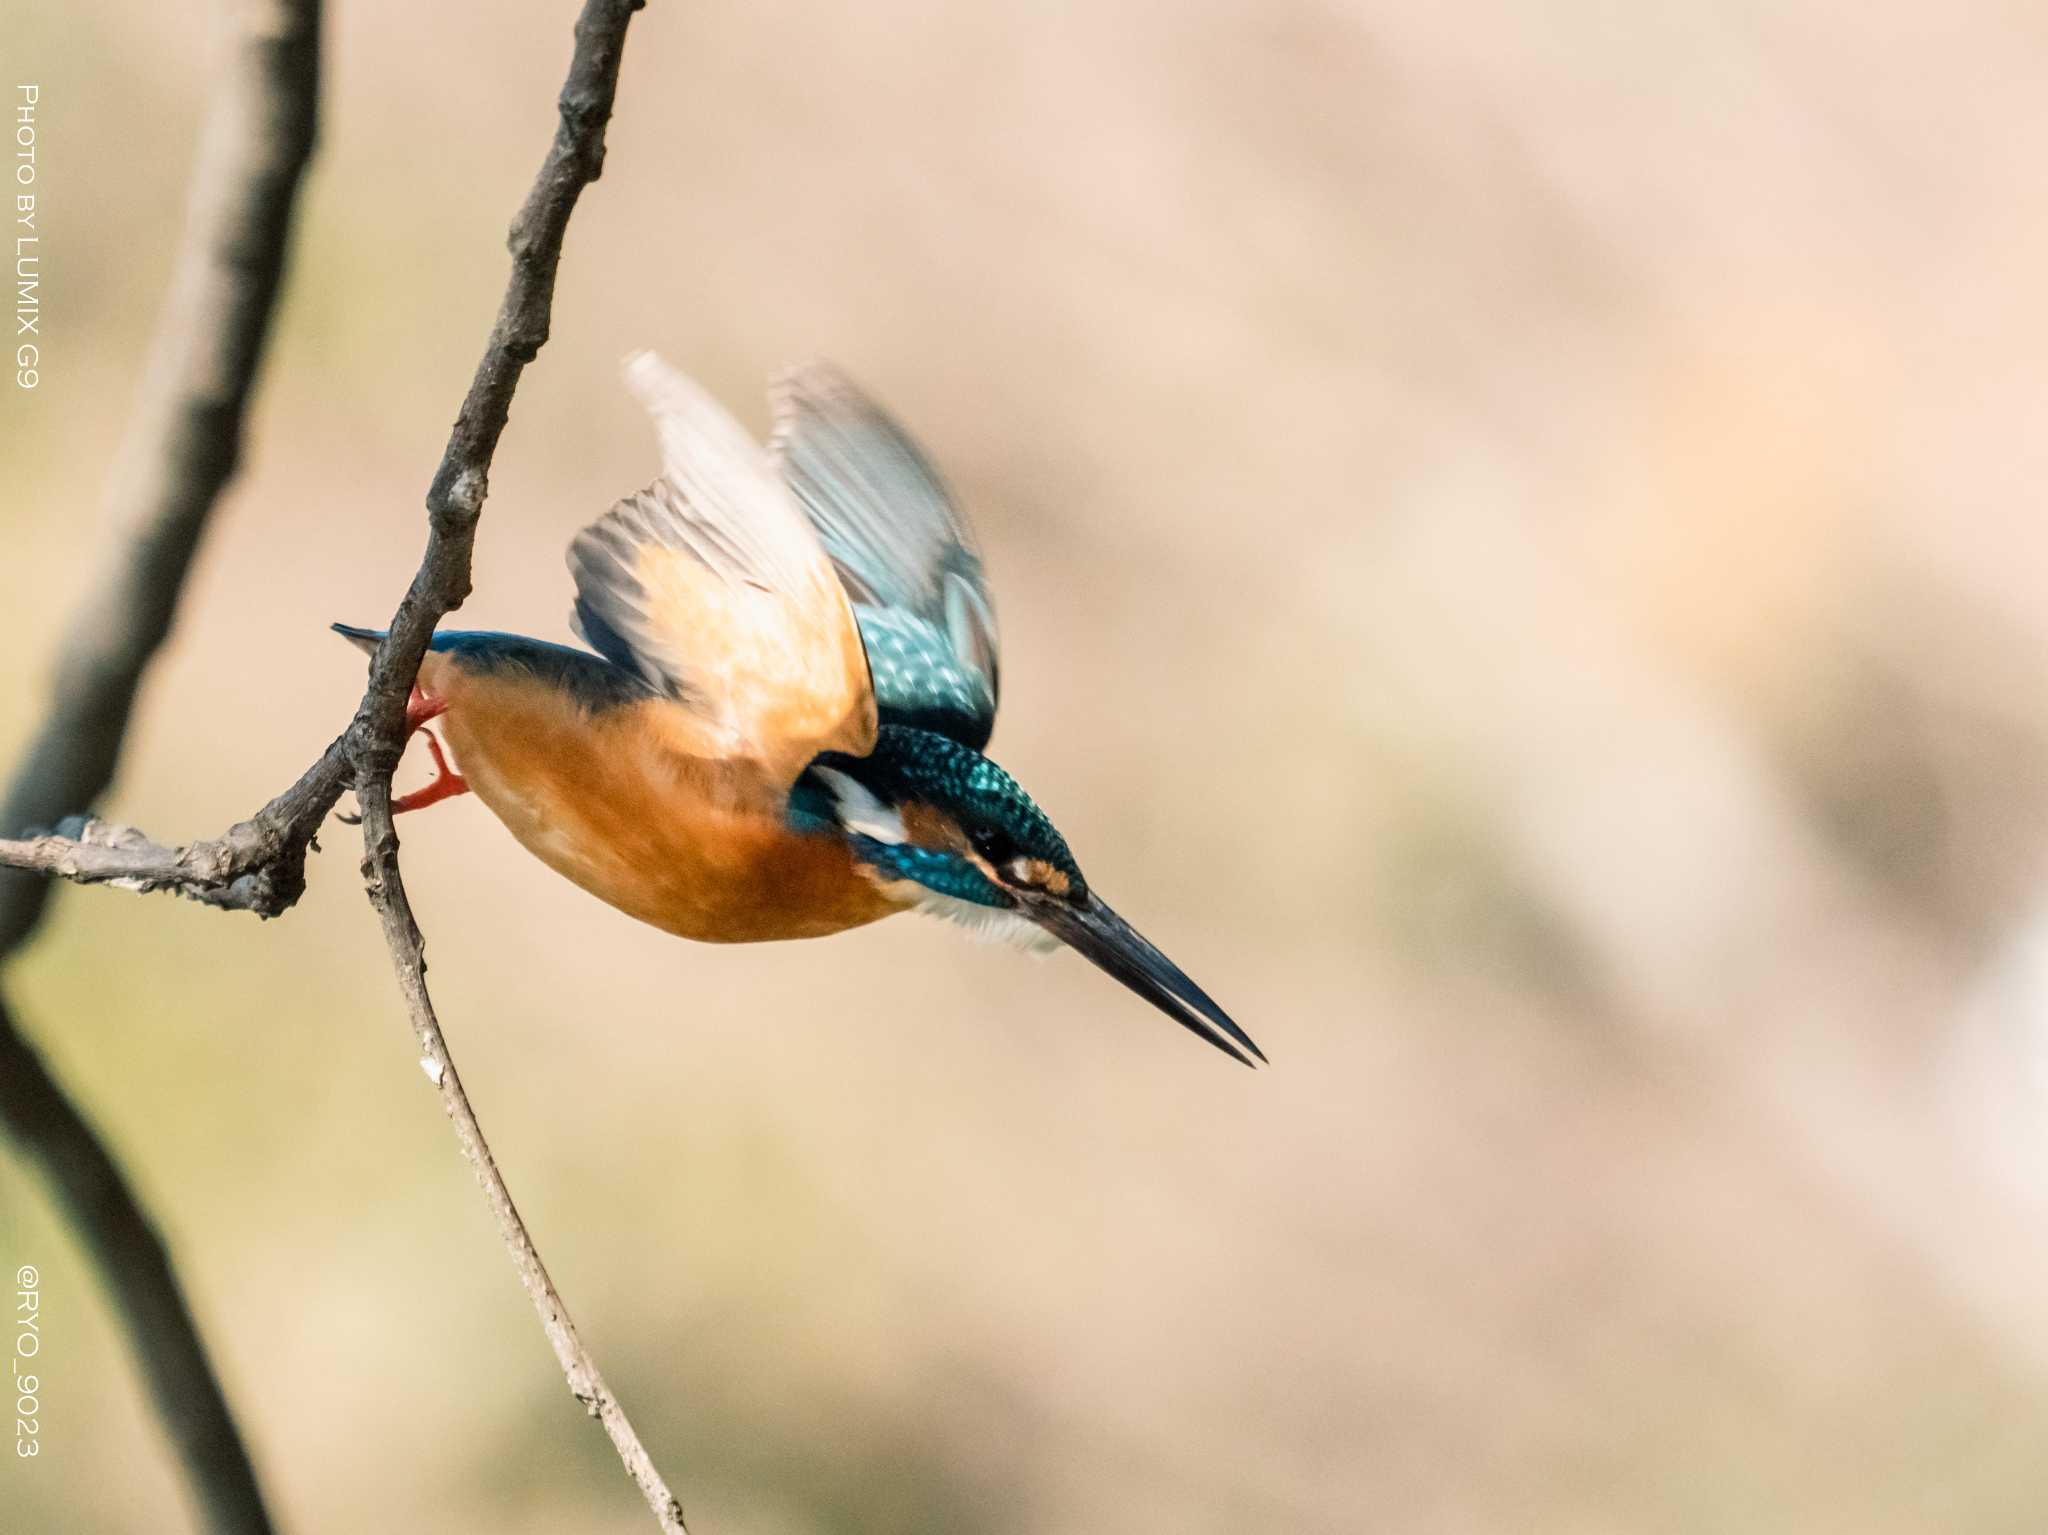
777 728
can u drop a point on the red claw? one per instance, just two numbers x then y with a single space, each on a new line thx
419 708
447 782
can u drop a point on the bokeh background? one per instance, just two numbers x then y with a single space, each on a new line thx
1519 540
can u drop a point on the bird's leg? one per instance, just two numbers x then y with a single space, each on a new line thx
419 708
447 782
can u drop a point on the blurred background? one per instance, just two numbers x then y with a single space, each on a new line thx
1519 540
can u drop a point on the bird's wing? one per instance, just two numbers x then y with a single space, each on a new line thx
712 588
902 548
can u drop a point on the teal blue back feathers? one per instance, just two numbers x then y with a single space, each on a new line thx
903 552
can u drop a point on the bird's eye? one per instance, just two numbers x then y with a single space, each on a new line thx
992 843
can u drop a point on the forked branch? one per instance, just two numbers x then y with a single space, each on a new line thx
259 864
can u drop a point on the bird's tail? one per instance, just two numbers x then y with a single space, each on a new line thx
365 640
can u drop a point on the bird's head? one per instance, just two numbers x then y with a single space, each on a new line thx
945 830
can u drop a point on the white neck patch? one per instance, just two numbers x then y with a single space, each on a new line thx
860 811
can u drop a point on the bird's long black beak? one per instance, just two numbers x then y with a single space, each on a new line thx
1090 928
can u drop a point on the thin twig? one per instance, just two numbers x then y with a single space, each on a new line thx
183 445
376 738
408 950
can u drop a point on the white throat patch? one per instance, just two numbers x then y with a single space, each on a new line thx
988 924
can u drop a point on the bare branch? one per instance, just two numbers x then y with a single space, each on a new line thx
259 865
408 951
456 497
255 865
183 444
376 738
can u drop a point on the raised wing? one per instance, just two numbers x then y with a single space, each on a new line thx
712 588
902 548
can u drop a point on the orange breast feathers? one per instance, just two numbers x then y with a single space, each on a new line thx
695 846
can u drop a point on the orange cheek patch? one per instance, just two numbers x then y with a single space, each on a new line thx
928 826
1047 878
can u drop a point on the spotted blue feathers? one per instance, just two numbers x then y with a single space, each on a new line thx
903 551
921 767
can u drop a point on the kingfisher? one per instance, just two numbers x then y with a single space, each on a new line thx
777 729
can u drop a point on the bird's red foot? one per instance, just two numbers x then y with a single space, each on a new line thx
447 782
419 708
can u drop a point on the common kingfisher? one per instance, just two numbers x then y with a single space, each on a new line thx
777 730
